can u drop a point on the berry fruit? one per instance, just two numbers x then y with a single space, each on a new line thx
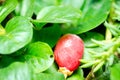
67 53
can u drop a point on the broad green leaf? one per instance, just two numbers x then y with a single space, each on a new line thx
115 72
25 8
75 3
40 56
52 69
77 75
6 8
58 14
50 74
38 26
16 71
94 13
50 35
18 34
39 4
47 76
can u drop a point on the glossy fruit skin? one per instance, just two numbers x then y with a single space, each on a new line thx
68 51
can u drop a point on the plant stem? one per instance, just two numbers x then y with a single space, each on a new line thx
108 34
89 76
110 20
115 47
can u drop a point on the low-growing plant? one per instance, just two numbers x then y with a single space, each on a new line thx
31 29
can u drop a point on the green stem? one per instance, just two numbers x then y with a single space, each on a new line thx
89 76
108 34
115 47
110 20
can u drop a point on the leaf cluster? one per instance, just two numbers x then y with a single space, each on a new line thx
29 30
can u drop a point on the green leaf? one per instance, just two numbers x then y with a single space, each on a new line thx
75 3
77 75
91 35
117 10
16 71
87 56
40 56
50 35
115 72
47 76
58 14
6 8
39 4
111 60
102 74
38 26
50 74
2 30
90 47
25 8
93 14
18 34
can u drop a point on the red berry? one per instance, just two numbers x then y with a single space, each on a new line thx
68 51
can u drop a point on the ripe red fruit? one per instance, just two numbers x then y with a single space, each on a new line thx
68 51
